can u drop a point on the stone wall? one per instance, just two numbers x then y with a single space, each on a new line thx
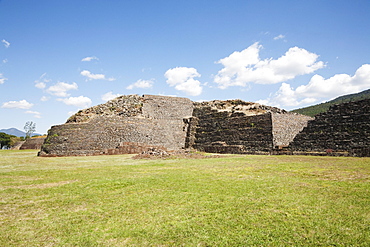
236 126
148 121
231 132
33 143
285 126
164 107
343 130
100 135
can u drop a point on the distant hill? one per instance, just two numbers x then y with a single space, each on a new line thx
323 107
15 132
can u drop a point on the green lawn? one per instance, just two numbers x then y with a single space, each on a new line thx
227 201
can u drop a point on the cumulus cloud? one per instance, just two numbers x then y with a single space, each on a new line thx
336 85
2 79
280 36
109 96
6 43
88 59
90 76
242 68
319 88
22 104
141 84
40 85
60 89
182 78
36 114
286 97
80 101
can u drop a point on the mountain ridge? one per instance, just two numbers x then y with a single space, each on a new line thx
323 107
16 132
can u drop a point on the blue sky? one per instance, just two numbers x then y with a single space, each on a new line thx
57 57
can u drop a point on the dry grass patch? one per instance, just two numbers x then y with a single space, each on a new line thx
39 186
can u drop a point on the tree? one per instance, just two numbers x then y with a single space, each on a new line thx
5 140
29 127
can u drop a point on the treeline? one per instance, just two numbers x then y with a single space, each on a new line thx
323 107
7 141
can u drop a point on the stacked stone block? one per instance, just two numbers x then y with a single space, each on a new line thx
343 130
227 132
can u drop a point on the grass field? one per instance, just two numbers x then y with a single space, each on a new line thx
227 201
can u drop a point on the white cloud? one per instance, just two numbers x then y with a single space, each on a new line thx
36 114
92 76
109 96
2 79
141 84
242 68
40 85
5 60
22 104
44 98
286 97
336 85
280 36
319 89
80 101
6 43
41 82
88 59
182 78
60 89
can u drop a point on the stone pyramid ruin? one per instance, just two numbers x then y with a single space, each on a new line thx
133 124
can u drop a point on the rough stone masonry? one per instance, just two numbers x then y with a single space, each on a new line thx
343 130
134 124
